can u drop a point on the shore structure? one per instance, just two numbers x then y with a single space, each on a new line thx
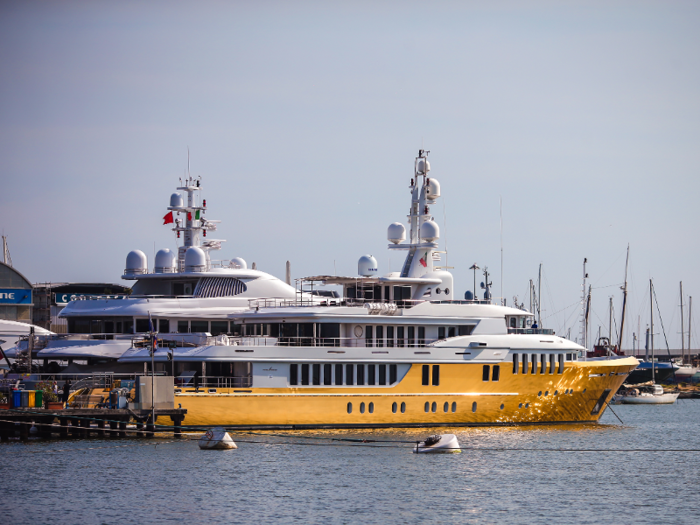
397 350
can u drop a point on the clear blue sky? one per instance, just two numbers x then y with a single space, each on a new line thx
304 119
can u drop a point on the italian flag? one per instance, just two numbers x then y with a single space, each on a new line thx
424 260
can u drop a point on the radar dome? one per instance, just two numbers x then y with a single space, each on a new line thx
468 295
429 231
367 266
238 263
176 201
396 233
165 261
423 166
433 190
136 263
195 260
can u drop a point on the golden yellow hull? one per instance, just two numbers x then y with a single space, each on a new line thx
578 395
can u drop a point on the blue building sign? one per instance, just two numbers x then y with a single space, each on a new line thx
15 296
65 298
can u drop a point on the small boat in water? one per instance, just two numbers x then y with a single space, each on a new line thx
445 443
644 394
216 439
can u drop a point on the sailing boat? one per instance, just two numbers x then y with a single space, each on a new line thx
648 393
685 370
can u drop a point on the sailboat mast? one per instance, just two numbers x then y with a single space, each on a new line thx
690 308
539 297
651 335
624 301
682 339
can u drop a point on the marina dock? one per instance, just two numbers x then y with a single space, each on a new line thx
84 422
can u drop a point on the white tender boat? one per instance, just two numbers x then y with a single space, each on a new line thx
216 439
644 394
444 443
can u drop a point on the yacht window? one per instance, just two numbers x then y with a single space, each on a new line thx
371 372
316 371
199 326
551 363
305 374
403 408
454 406
141 326
392 374
382 374
446 407
387 291
368 335
371 408
349 408
421 336
219 287
474 406
515 363
496 373
360 374
338 374
128 327
109 327
434 407
327 374
411 336
362 408
561 364
329 333
427 406
293 371
164 326
183 327
394 407
441 332
380 336
426 375
389 336
436 375
485 373
451 332
219 327
525 364
512 322
466 330
534 364
543 363
349 375
399 336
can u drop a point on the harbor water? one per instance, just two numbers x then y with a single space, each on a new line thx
504 475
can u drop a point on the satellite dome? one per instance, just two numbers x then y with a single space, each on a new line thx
396 233
239 263
176 201
367 266
136 263
433 190
423 166
165 261
468 295
195 260
429 231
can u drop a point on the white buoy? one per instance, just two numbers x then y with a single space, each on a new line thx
216 439
444 443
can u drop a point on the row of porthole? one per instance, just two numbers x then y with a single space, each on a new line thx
395 407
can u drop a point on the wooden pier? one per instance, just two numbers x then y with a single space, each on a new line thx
83 422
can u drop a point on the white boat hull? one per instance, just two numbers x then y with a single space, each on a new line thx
447 444
216 439
647 399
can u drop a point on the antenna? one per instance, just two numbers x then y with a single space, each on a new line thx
500 205
188 161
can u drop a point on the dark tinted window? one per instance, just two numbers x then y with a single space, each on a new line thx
316 374
304 374
426 375
389 336
485 374
496 373
515 363
371 379
141 325
392 374
421 335
219 327
382 374
199 326
338 374
349 375
441 332
360 374
436 375
400 336
368 335
380 336
293 374
451 332
164 326
411 336
327 377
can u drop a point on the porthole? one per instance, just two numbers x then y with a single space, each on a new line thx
527 405
371 408
403 408
358 331
474 406
520 405
349 408
571 390
434 407
546 393
446 407
447 291
584 390
454 406
427 406
393 408
362 408
556 392
502 406
539 393
438 291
